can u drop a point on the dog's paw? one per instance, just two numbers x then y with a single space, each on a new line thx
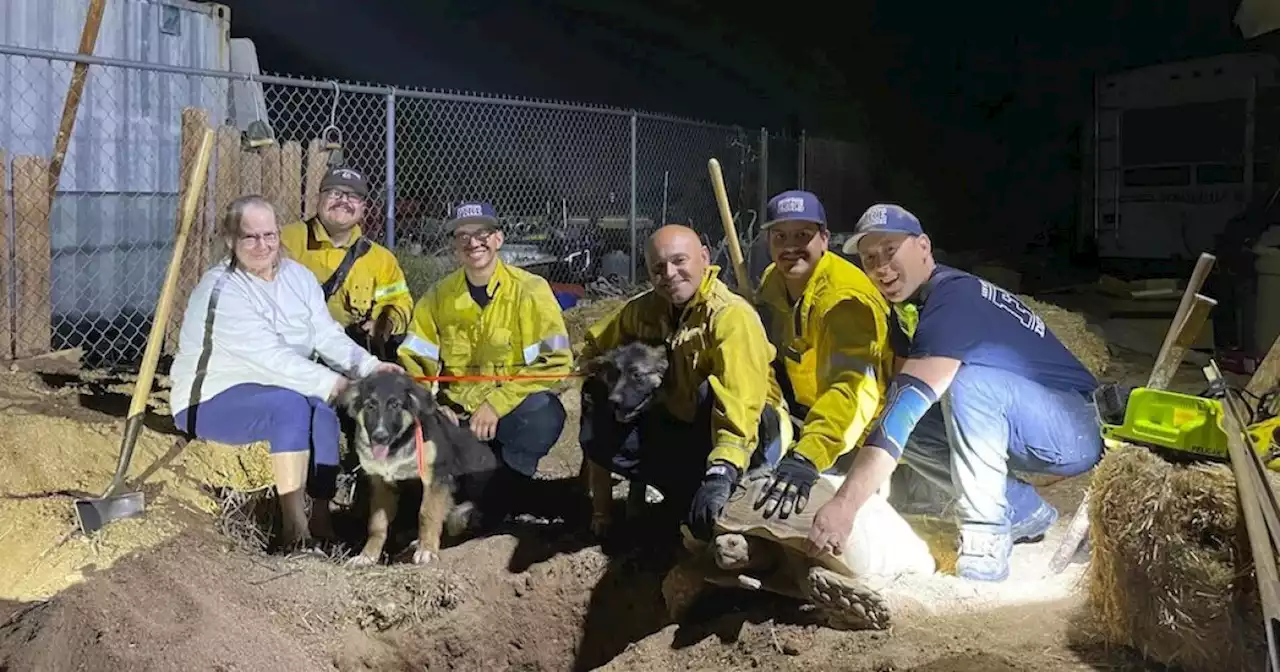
423 556
361 561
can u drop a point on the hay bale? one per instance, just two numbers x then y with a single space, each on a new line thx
1171 574
580 317
1073 330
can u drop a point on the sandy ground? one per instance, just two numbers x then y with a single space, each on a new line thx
164 590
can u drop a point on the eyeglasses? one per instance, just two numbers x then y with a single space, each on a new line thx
337 195
259 238
462 237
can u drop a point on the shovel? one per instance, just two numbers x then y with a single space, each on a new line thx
93 514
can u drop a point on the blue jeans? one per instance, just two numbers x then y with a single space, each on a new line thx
290 422
989 421
526 434
659 449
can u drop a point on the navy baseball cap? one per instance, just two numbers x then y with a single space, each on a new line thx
883 218
473 212
795 206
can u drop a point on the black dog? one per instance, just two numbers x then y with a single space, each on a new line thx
388 409
628 377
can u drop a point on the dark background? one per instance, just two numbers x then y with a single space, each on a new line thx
972 114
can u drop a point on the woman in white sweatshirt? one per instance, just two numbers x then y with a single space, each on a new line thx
244 370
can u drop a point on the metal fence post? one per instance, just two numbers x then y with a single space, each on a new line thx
391 169
631 214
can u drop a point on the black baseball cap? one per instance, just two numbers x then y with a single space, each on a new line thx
349 178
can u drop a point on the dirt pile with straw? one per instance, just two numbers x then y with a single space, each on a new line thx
1073 330
1170 574
55 451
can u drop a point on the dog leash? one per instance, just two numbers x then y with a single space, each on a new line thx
419 447
478 378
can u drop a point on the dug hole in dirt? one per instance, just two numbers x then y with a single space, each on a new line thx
187 586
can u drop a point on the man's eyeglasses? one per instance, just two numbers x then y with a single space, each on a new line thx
463 237
350 196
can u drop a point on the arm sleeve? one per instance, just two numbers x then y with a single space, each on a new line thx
852 337
391 293
419 353
243 332
739 380
332 343
547 353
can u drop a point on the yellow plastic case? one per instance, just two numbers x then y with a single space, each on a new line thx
1185 424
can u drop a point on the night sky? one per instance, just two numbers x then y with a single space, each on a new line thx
973 112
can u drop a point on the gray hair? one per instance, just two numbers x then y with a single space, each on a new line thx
229 230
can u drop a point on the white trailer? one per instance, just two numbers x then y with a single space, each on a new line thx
1175 150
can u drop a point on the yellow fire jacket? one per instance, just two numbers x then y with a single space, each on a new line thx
833 345
717 338
374 284
520 332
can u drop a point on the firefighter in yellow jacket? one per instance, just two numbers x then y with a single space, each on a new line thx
362 281
719 410
831 328
492 320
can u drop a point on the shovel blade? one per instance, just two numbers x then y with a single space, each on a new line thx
94 514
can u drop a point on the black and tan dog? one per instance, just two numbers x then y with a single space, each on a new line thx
401 435
628 378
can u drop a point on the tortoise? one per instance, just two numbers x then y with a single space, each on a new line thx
752 552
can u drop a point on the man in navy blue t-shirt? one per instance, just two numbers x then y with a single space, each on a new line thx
1011 396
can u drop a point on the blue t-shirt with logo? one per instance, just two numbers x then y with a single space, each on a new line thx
967 318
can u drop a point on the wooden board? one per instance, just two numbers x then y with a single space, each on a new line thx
273 180
250 172
33 309
226 187
195 122
317 164
291 186
6 266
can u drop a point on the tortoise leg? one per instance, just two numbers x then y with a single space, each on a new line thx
846 601
682 585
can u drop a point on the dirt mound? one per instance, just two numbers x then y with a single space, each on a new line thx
56 447
532 601
199 597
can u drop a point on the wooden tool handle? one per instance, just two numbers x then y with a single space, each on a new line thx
730 229
1201 272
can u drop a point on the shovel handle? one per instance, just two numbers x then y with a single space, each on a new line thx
151 356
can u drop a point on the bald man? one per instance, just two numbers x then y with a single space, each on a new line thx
717 414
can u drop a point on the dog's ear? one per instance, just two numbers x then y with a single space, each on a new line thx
420 399
658 356
596 364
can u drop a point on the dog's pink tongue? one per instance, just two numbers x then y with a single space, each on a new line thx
380 451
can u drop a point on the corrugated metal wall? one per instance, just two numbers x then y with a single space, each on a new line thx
113 218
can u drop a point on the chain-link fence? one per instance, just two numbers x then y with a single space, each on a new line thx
578 188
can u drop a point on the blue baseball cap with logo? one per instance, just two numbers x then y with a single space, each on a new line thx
795 206
469 212
883 218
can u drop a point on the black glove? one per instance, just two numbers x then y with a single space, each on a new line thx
788 487
709 500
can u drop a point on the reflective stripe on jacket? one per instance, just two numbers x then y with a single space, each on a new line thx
375 283
520 332
833 344
717 339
